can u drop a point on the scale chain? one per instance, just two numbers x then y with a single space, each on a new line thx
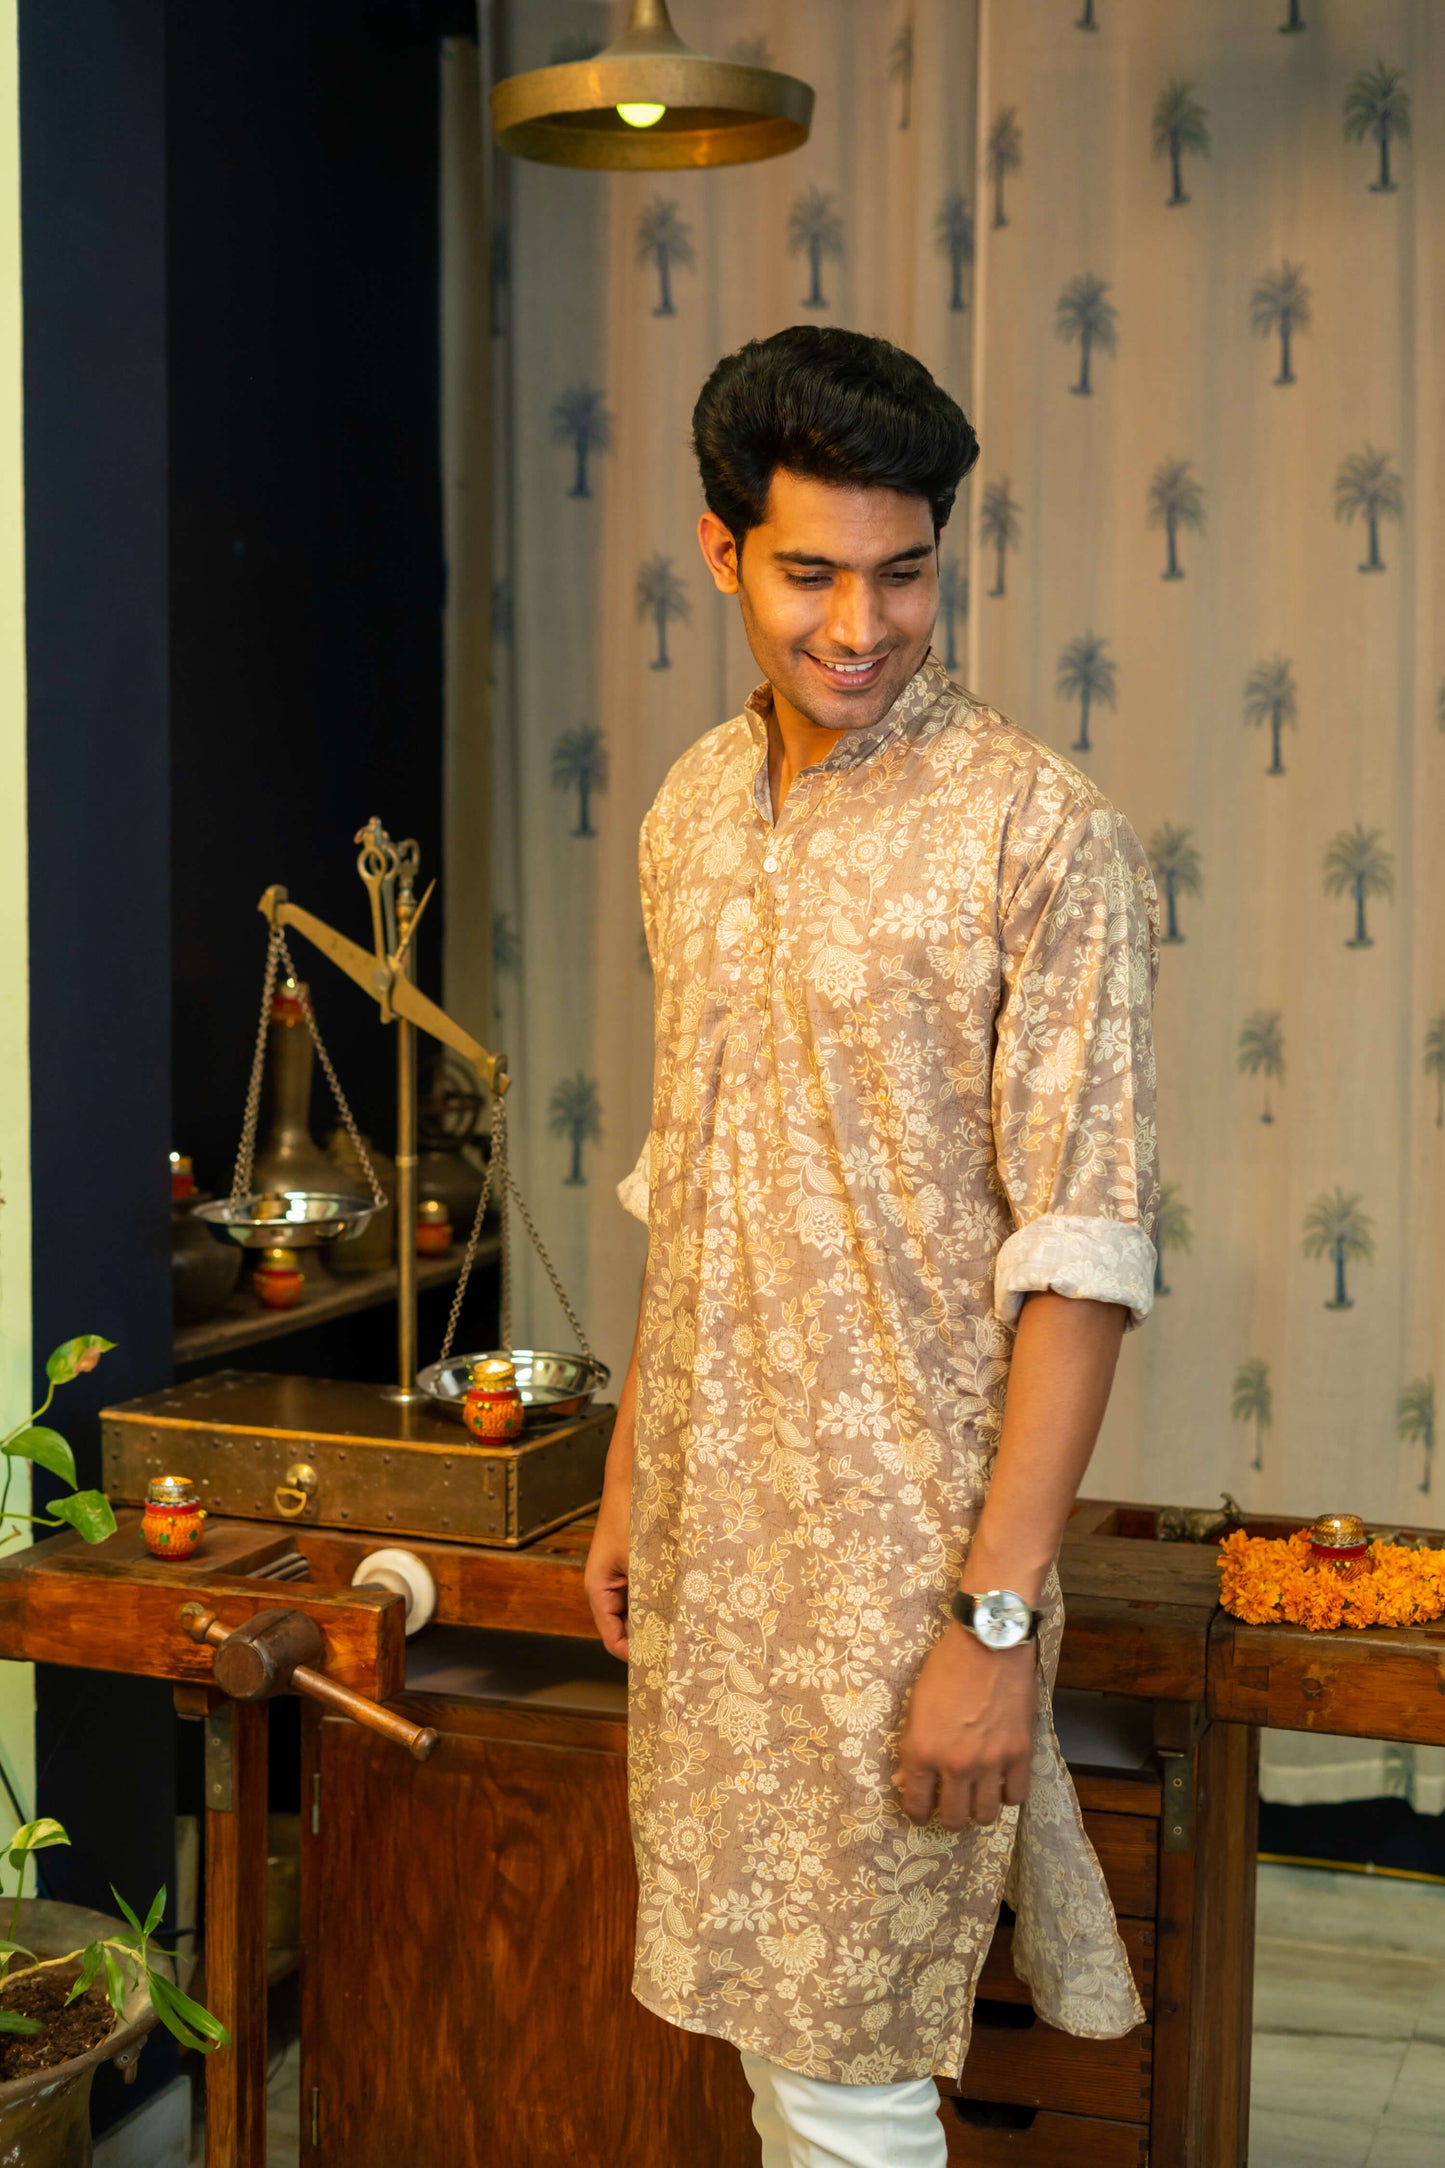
377 1192
246 1151
499 1171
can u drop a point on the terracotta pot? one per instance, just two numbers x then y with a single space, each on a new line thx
45 2118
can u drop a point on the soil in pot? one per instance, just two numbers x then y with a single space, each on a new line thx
69 2029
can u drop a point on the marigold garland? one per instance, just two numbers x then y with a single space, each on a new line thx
1265 1580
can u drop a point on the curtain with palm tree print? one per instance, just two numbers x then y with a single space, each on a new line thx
1184 267
612 296
1209 392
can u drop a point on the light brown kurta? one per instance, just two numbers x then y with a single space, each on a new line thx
904 1073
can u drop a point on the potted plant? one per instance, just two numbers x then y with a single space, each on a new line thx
77 1988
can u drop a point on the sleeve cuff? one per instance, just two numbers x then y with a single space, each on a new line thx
1090 1260
633 1191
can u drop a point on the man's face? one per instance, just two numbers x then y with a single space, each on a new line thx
839 592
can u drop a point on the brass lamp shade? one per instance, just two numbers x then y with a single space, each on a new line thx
717 112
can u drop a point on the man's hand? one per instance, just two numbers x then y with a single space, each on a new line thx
969 1729
605 1578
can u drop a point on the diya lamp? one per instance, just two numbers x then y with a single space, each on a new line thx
171 1522
278 1280
1338 1544
493 1408
433 1228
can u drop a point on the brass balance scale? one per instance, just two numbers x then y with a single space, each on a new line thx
350 1456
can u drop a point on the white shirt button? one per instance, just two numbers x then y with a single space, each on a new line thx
770 865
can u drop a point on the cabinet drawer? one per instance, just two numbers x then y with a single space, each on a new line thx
1016 2060
978 2138
998 1981
1128 1849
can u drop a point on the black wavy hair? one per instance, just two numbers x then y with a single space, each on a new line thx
831 404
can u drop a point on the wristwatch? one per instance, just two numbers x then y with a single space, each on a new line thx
998 1618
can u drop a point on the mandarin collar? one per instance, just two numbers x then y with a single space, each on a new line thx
927 684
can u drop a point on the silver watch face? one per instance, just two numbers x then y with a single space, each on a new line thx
1001 1619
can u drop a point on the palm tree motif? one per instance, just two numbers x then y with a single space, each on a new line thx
900 70
1280 301
751 52
1435 1063
1261 1051
575 1112
1176 500
661 596
579 418
1415 1422
1368 486
1336 1228
503 613
952 607
1176 865
998 525
579 762
1252 1401
1294 21
1269 697
1086 20
1005 155
953 238
1180 125
1356 861
814 230
1085 674
1173 1231
1377 104
1085 315
664 238
506 953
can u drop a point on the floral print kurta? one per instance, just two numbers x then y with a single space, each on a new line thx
903 1074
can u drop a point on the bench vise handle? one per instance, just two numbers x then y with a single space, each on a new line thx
279 1650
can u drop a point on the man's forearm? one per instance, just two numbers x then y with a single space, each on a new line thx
1064 1355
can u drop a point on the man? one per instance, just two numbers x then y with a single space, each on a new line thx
902 1155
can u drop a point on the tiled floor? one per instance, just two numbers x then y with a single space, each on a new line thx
1349 2027
1349 2022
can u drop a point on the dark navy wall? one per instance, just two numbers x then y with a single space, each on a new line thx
92 134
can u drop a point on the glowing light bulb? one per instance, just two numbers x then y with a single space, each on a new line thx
641 116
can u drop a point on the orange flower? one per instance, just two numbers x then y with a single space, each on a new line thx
1263 1579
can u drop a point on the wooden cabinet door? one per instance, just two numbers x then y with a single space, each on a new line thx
468 1955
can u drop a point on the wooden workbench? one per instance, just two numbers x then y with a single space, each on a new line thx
468 1942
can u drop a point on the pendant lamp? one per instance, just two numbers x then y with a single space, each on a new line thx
649 102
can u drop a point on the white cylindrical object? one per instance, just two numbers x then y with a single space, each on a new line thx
406 1575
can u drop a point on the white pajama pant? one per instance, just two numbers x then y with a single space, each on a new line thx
813 2123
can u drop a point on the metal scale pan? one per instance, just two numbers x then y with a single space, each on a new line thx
554 1388
293 1219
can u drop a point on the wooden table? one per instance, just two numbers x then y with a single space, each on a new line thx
1142 1621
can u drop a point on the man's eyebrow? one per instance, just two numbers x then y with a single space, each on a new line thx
810 557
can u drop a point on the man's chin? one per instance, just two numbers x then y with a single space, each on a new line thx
827 710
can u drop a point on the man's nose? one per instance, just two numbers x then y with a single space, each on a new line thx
856 620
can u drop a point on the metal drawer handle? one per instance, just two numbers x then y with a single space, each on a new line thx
296 1490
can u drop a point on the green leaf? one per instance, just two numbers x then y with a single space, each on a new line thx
15 1949
46 1448
193 2026
88 1512
158 1906
35 1837
126 1912
72 1356
12 2022
89 1967
114 1983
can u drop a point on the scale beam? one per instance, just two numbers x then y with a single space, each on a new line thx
393 992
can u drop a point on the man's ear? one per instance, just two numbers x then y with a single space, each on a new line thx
720 553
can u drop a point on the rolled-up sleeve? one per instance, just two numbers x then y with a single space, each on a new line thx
1073 1071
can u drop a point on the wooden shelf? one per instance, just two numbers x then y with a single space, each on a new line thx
243 1322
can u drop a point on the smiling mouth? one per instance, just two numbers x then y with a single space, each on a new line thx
850 673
